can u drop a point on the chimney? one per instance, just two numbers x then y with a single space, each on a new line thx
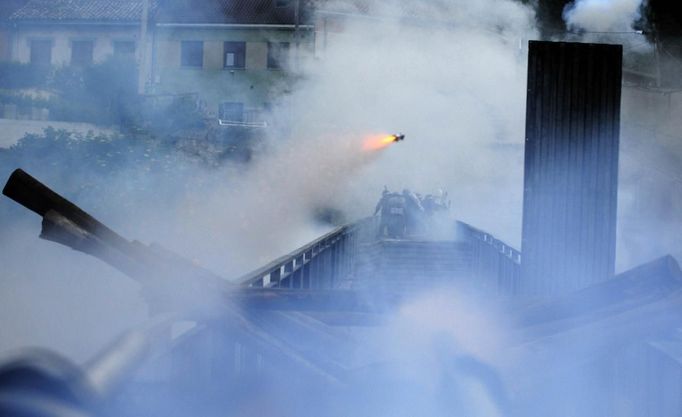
571 166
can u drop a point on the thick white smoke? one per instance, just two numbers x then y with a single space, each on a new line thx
451 76
603 15
448 74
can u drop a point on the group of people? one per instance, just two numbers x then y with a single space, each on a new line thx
408 213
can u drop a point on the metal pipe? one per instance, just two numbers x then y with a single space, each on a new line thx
115 365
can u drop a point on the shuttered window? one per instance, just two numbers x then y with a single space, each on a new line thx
234 54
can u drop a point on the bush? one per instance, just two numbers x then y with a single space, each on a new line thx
108 174
182 113
103 94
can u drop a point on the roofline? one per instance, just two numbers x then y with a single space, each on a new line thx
233 26
168 24
75 22
352 15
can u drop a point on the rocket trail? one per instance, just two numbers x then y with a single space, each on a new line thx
378 142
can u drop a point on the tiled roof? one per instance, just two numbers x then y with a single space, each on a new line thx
79 10
233 11
277 12
7 7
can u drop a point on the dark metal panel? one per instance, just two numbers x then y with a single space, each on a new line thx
571 165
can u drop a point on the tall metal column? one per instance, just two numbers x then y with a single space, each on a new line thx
571 166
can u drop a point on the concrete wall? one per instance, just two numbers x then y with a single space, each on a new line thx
62 37
255 85
256 55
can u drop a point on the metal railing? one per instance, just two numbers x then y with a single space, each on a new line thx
253 118
324 262
318 265
492 261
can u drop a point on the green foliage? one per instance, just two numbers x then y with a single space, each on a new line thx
182 113
103 94
92 167
66 80
106 94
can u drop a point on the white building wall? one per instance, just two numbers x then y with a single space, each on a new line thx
62 37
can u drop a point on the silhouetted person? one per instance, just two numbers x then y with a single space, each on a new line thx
392 209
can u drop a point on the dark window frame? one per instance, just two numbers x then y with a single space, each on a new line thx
33 51
239 51
278 55
190 58
82 52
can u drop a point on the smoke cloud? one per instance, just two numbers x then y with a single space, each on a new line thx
450 75
454 87
603 15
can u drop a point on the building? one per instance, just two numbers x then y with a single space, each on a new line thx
74 32
237 55
7 8
234 57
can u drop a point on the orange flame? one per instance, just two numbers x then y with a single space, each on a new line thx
377 142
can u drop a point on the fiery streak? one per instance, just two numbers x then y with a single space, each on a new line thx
377 142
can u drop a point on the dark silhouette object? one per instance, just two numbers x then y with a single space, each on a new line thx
392 208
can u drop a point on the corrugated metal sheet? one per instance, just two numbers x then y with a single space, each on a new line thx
571 165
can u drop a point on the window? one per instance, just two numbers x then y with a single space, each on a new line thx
192 54
281 3
124 48
278 54
231 112
234 54
41 52
81 53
